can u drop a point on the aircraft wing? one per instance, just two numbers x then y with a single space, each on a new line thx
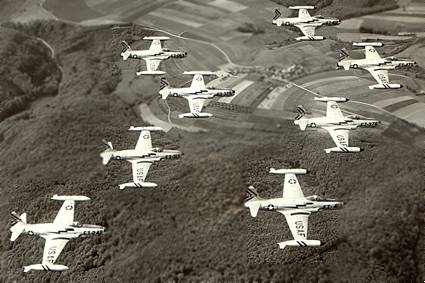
140 170
198 82
291 187
307 30
144 143
381 76
52 248
65 215
156 45
339 135
196 103
152 64
371 53
303 13
298 222
333 111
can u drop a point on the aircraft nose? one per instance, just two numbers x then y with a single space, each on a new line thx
338 205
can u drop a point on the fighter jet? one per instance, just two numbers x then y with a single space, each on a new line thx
141 157
56 234
293 205
196 94
374 64
153 56
305 22
335 123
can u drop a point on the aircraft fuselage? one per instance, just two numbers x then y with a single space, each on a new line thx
301 203
153 155
68 231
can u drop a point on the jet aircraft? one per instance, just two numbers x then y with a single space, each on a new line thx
141 157
374 64
305 22
293 205
196 94
153 56
335 123
57 234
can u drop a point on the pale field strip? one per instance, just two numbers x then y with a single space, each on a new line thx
387 102
350 24
417 118
396 18
230 6
174 16
271 98
202 10
238 89
411 109
332 79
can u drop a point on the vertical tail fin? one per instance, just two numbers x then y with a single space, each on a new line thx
251 201
126 46
277 14
343 54
163 86
301 112
107 154
19 223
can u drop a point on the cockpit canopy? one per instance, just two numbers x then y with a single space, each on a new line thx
77 224
314 198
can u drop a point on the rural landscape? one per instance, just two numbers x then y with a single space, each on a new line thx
65 88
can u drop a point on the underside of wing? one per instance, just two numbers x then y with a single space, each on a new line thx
339 135
381 76
152 64
195 104
198 82
291 187
307 30
140 169
52 249
65 215
371 53
333 111
144 143
298 223
303 13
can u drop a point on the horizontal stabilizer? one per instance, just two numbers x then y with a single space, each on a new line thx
195 115
137 185
76 198
156 38
287 171
299 243
311 37
301 7
385 86
149 128
363 44
343 149
204 73
150 73
45 267
336 99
